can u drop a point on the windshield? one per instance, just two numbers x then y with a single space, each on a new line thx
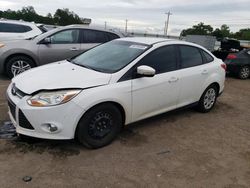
110 57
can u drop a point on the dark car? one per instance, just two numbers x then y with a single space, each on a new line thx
227 46
238 64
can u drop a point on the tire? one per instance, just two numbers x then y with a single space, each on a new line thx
244 72
99 126
208 99
18 64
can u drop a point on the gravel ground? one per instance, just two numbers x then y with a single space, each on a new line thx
177 149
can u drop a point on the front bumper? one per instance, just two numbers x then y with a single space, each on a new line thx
34 121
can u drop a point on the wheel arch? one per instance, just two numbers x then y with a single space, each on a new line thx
216 84
18 54
116 104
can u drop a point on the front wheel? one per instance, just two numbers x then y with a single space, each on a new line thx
208 99
18 64
99 126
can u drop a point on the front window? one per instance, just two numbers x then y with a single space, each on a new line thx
110 57
66 37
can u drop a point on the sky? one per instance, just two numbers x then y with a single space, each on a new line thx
148 15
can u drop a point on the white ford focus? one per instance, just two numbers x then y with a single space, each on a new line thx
92 96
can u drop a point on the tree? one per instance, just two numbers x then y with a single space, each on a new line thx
61 17
200 29
66 17
221 33
243 34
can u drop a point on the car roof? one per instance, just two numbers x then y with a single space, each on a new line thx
21 22
146 40
82 26
155 41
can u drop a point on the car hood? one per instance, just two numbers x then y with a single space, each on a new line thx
59 75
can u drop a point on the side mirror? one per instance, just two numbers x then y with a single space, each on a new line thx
47 40
145 71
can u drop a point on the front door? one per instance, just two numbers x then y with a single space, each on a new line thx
151 96
64 44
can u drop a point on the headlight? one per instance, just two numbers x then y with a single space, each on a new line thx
2 45
44 99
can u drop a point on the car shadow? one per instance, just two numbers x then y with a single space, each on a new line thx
130 135
4 78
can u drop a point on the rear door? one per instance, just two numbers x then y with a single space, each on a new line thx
193 74
64 44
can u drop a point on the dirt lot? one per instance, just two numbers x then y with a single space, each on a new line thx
178 149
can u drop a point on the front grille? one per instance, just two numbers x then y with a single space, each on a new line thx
12 107
23 122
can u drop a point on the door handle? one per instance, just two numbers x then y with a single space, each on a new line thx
173 80
204 72
74 49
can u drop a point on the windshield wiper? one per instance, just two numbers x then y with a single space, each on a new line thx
85 66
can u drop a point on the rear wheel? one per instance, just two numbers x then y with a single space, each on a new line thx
244 72
99 126
18 64
208 99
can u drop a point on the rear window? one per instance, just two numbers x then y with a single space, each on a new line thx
93 36
14 28
112 36
190 56
207 58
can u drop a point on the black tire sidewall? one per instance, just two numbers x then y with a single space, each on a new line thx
82 128
13 60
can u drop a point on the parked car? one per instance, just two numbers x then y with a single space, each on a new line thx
227 46
92 96
14 30
238 64
55 45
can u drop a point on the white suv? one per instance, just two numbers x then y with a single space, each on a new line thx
13 30
93 95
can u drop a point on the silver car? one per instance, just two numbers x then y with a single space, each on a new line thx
55 45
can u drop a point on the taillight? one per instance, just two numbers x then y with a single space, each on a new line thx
224 66
231 56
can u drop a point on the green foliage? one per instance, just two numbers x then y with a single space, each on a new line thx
200 29
66 17
61 17
219 33
223 32
243 34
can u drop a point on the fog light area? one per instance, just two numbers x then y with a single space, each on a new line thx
50 128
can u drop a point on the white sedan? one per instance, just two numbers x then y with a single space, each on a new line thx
92 96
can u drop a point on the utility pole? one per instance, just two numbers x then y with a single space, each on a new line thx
167 23
126 27
105 25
